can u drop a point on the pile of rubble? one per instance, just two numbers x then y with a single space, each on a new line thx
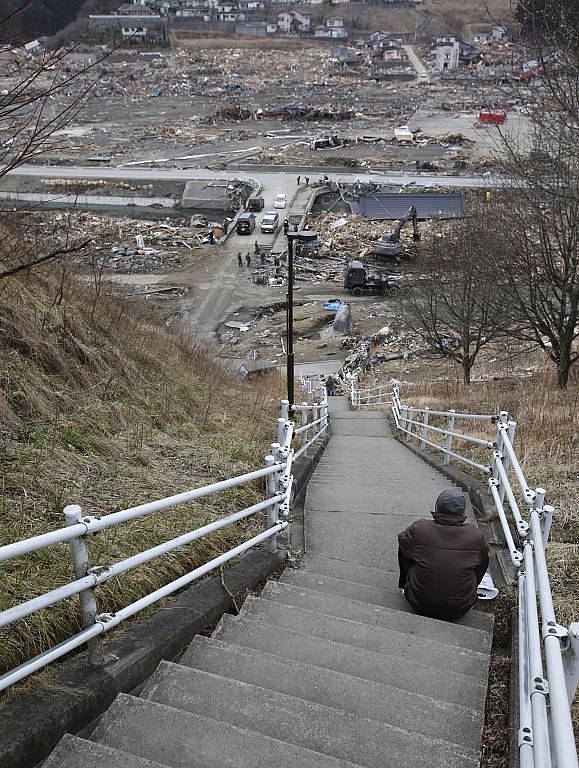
126 260
352 236
128 246
304 112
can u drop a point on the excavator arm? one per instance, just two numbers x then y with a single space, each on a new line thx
410 216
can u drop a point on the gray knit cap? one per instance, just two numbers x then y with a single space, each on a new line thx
451 503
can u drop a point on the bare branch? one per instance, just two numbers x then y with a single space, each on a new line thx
67 251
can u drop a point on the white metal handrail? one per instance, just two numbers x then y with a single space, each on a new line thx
545 735
279 481
466 416
362 398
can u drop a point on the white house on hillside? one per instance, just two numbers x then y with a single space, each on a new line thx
293 21
333 28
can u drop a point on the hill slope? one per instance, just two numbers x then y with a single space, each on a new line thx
102 407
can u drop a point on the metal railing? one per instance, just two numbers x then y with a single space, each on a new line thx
545 733
311 415
278 477
370 397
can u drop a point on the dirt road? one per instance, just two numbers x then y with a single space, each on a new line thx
228 286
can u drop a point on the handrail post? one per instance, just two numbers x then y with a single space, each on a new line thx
303 422
545 513
501 425
548 512
81 565
271 490
284 410
281 427
449 429
424 427
315 417
511 428
325 415
405 417
410 413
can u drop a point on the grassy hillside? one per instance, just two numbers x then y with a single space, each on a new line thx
101 406
461 17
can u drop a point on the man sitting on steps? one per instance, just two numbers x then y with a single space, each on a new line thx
442 561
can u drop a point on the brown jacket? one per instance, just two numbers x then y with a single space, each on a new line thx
441 564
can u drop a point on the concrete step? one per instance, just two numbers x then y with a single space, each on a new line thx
320 728
337 493
351 533
337 404
350 571
375 616
370 637
72 752
181 739
365 698
404 673
301 577
365 426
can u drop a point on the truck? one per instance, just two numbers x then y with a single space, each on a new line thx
357 281
492 116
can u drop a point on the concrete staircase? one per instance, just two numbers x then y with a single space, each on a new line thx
329 667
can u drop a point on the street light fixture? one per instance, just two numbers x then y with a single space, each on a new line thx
301 236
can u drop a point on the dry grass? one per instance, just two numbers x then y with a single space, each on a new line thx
101 406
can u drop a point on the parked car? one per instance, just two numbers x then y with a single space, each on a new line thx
245 223
270 222
280 201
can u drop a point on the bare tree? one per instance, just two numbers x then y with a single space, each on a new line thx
538 218
455 310
43 97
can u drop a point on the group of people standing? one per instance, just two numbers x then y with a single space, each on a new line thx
256 252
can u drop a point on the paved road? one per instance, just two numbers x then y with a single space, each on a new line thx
228 286
270 178
421 70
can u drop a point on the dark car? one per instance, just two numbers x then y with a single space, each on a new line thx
245 223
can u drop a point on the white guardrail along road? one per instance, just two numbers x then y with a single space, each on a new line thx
548 653
278 478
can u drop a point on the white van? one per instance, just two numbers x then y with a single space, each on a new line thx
270 222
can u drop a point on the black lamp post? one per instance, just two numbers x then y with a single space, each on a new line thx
301 236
